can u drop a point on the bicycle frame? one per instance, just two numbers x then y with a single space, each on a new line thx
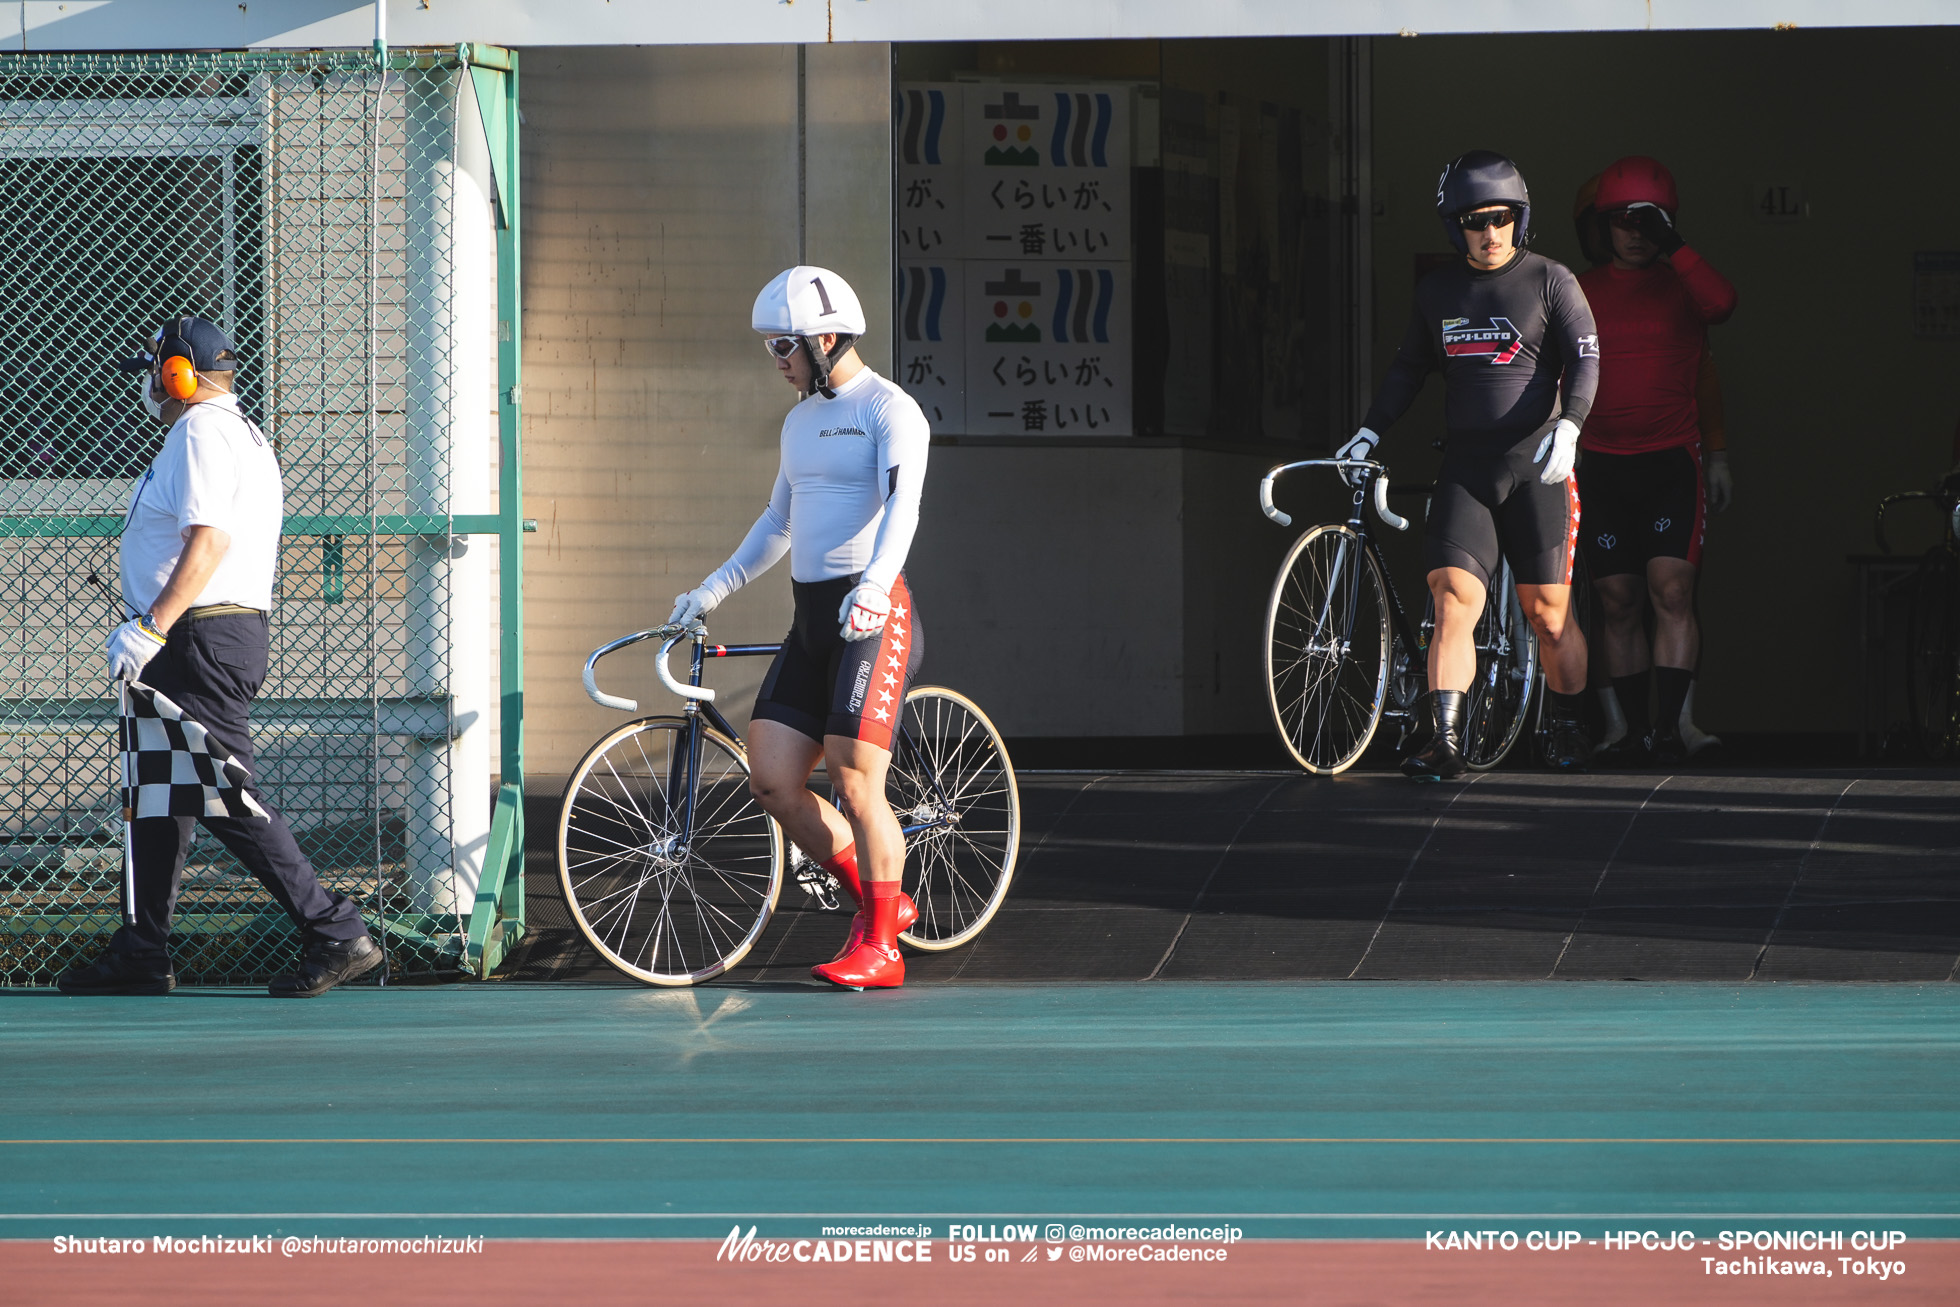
1374 485
684 778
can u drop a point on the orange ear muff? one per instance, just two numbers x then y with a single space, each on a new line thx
179 378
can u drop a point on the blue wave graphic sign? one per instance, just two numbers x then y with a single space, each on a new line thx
924 299
1082 304
1082 123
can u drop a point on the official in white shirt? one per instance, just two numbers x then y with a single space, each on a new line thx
200 546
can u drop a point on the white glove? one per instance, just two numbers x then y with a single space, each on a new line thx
1359 446
131 646
1721 485
692 606
1563 446
864 611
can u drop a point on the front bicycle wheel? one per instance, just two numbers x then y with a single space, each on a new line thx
1327 649
662 900
952 787
1495 710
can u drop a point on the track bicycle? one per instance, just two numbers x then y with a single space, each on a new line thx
1342 656
1932 603
672 870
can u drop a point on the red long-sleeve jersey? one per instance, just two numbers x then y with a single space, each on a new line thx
1653 330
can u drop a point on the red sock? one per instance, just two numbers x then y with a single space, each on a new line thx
843 864
883 905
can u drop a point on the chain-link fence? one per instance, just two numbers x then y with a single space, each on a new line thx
309 204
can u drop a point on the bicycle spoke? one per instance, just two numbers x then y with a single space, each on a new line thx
656 908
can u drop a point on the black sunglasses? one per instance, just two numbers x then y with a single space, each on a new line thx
1481 221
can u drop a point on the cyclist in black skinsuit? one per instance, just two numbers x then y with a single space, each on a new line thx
1515 341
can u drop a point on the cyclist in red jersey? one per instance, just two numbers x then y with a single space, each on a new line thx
1618 742
1641 475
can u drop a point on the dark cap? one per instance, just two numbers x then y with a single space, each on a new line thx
203 343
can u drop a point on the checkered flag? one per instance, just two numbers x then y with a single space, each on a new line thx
172 767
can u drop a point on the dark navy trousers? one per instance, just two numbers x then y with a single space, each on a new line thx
211 668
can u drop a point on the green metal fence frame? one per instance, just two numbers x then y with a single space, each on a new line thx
497 919
497 916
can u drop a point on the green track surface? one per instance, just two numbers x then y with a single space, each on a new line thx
1331 1110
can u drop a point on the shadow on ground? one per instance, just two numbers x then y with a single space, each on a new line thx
1725 876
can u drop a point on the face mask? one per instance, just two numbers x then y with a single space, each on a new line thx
150 404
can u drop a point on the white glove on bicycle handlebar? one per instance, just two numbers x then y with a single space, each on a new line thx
1361 445
1563 446
864 611
692 606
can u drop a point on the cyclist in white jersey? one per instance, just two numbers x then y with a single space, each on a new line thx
844 507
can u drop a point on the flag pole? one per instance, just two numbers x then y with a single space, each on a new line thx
129 844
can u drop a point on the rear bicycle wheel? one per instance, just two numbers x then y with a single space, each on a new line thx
952 787
663 905
1933 650
1496 708
1327 649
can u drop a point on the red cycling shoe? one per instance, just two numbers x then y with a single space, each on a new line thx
874 962
908 912
868 966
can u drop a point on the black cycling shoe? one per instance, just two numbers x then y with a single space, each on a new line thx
1666 748
1442 758
1566 745
326 963
119 973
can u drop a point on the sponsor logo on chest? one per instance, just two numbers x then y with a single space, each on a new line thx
1494 339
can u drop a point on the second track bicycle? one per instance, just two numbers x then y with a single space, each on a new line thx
1342 656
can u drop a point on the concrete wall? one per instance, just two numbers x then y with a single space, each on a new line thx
1104 591
1832 402
661 192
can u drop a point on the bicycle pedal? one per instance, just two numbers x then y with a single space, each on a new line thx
819 884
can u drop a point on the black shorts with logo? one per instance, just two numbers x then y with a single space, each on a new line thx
822 684
1489 505
1640 507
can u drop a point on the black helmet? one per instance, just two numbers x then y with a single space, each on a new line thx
1475 179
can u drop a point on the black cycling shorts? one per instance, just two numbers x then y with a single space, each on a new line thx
1640 507
822 684
1489 505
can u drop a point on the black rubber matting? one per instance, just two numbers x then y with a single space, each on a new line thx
1724 876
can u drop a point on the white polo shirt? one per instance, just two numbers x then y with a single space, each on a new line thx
216 469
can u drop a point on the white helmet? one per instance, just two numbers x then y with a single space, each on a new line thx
805 301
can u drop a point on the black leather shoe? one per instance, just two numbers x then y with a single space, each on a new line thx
326 963
119 973
1666 748
1442 758
1566 745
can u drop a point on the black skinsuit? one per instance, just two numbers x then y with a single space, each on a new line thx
1518 351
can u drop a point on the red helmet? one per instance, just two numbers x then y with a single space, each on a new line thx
1636 179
